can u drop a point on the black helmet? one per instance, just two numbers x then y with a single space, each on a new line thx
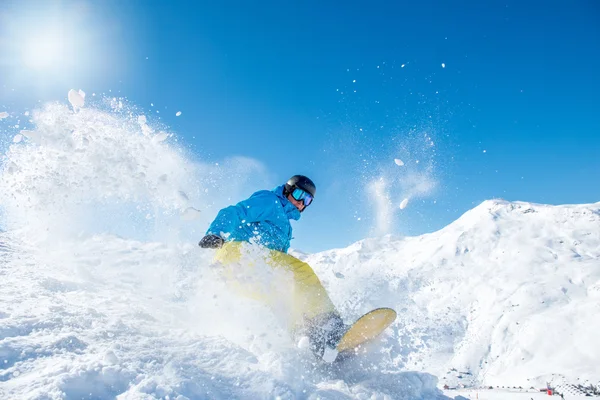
300 182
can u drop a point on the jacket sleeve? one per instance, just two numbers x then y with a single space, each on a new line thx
259 207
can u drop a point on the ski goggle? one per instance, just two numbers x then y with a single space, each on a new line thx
301 195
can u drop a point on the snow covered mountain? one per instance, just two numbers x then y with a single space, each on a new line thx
509 294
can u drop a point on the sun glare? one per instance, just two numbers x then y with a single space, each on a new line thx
46 50
52 43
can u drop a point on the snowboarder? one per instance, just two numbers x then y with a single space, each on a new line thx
264 220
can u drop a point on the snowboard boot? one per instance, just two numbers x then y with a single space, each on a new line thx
324 333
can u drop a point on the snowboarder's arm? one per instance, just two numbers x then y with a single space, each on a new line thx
211 242
259 207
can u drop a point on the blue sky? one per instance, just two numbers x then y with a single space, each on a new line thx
337 90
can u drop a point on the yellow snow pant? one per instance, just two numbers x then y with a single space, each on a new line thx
300 293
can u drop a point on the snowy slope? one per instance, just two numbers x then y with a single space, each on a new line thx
105 294
509 294
105 317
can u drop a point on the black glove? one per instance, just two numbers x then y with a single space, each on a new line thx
211 242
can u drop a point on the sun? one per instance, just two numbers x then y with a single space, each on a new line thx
47 49
55 42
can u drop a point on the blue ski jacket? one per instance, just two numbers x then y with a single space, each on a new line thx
264 218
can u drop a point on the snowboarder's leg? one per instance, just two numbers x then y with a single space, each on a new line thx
310 311
310 298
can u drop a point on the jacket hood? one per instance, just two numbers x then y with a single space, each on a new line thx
290 210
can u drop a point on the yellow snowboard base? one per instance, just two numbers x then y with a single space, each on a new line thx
366 328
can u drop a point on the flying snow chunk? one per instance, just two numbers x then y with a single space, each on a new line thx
329 355
443 65
304 342
17 138
403 204
183 196
33 136
3 115
160 137
146 130
178 113
399 162
77 99
190 214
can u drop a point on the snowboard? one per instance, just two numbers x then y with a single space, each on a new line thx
365 329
